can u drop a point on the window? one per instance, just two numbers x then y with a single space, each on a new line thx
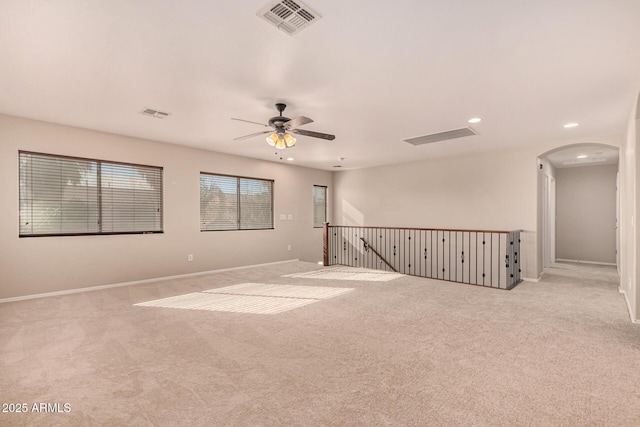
235 203
319 205
62 196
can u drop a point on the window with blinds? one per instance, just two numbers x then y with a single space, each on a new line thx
319 205
61 196
235 203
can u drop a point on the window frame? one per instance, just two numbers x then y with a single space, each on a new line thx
98 196
238 202
326 192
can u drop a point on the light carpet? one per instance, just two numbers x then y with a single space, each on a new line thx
419 352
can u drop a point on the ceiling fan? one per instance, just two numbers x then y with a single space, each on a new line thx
281 129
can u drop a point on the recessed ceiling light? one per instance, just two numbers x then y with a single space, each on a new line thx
290 159
583 161
571 125
475 120
582 156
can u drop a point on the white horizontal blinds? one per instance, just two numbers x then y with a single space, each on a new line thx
218 202
57 195
235 203
131 198
256 204
66 196
319 205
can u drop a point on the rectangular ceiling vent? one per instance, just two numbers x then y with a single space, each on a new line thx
442 136
289 16
154 113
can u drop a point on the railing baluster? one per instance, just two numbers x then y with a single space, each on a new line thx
476 251
453 248
408 245
498 263
419 261
491 260
439 255
424 245
432 253
384 248
401 251
449 245
462 257
335 247
484 263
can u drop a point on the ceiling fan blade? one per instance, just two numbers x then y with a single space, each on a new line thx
249 121
298 121
252 135
314 134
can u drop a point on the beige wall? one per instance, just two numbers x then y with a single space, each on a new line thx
491 191
48 264
586 213
635 263
629 202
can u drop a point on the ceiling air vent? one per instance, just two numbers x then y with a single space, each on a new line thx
154 113
442 136
288 15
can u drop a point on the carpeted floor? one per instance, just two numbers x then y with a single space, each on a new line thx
407 351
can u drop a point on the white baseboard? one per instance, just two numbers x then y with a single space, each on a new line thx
527 279
577 261
626 300
137 282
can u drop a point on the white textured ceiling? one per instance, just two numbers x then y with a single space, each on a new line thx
372 73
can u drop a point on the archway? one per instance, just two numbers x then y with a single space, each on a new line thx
580 223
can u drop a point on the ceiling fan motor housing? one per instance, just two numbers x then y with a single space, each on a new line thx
278 121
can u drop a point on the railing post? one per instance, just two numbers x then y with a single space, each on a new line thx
325 244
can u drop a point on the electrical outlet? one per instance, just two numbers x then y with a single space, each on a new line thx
288 247
190 257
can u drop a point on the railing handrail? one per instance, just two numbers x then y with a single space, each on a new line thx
425 229
368 245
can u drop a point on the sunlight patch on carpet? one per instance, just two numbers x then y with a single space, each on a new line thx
256 298
348 273
232 303
283 291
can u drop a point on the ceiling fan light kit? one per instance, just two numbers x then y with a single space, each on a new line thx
281 126
281 141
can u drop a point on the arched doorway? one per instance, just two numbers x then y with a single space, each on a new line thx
578 204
